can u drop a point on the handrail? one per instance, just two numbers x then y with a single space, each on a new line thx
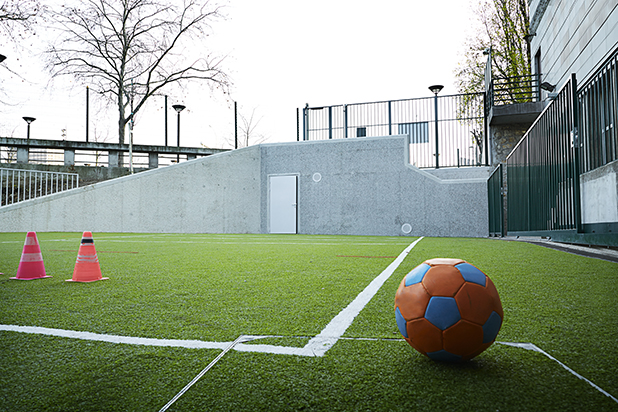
514 90
20 185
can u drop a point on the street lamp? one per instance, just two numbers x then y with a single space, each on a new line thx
28 120
2 58
179 108
435 89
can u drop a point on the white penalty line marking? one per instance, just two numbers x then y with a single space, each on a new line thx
241 338
317 346
533 347
239 346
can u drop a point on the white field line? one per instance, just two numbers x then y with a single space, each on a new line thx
187 344
241 338
209 242
532 347
317 346
232 243
340 323
272 349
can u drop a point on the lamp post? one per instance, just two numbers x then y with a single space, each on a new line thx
179 108
28 120
435 89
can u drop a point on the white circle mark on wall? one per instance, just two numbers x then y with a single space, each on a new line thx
406 228
317 177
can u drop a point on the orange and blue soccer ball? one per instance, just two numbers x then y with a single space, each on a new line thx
448 310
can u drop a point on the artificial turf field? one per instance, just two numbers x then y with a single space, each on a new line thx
214 288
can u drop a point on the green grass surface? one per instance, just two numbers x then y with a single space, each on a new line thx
217 287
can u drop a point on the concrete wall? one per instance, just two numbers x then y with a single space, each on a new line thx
218 194
367 187
574 36
599 193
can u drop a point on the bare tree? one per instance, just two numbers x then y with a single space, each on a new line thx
248 133
18 16
18 19
130 50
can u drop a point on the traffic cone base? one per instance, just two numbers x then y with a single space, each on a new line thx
40 277
85 281
31 263
87 267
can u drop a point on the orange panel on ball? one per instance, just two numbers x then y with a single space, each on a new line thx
425 336
443 281
412 300
475 303
463 338
493 292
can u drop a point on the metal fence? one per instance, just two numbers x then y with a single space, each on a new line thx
19 185
513 90
495 195
575 134
598 109
450 126
543 173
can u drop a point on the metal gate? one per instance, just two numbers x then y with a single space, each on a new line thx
543 171
495 194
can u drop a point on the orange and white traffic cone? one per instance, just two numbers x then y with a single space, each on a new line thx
31 263
87 267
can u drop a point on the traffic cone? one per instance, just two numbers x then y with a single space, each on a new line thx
87 267
31 263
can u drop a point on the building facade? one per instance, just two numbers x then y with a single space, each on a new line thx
562 177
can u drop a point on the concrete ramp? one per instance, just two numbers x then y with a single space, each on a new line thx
360 186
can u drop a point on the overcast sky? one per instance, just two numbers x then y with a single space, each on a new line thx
281 54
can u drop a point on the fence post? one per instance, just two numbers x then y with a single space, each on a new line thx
576 155
436 116
23 154
345 120
390 119
306 122
69 157
330 122
485 129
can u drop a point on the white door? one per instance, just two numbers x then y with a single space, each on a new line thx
282 201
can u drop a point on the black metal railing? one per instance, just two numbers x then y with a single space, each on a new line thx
514 90
495 195
598 109
543 172
445 131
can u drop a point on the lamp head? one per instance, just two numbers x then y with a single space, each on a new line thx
435 89
178 107
28 119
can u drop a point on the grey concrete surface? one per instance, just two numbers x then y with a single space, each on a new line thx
366 187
